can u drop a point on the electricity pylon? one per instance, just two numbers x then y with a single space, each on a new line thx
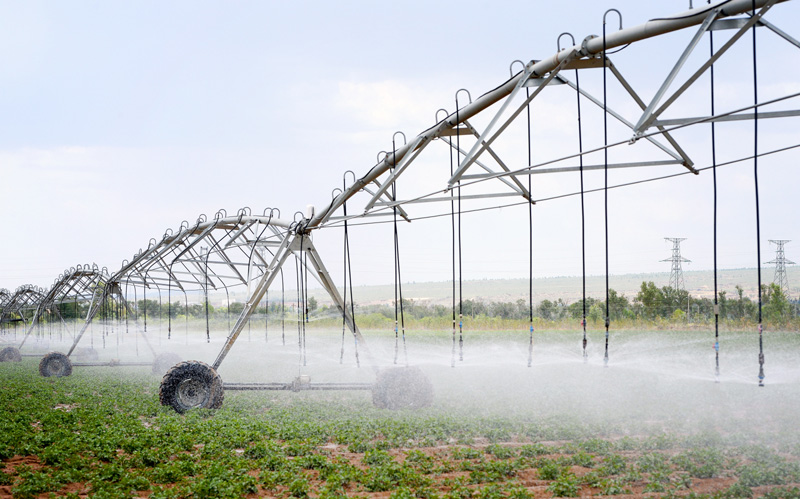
780 262
676 273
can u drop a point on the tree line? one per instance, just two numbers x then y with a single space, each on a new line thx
651 303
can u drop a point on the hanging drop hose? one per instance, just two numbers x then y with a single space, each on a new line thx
530 236
266 316
460 288
169 311
394 214
453 241
398 289
348 278
583 215
714 179
299 281
758 218
605 185
283 308
344 257
304 276
144 290
352 297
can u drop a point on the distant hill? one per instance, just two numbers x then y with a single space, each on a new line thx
698 283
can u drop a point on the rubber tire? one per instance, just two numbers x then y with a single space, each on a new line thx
402 388
164 361
189 385
10 354
55 364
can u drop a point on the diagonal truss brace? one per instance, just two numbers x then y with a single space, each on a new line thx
483 142
519 188
647 116
647 120
292 244
417 147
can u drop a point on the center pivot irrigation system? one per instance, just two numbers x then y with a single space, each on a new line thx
491 164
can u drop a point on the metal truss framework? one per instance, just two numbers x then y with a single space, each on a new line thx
25 300
77 285
213 256
250 250
476 149
5 295
538 75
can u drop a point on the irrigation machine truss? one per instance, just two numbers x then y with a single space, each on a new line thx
249 251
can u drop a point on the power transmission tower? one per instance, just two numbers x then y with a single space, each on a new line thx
780 262
676 274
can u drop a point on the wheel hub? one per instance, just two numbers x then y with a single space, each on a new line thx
192 393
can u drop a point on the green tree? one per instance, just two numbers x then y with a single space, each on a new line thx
650 298
547 310
618 305
775 306
236 308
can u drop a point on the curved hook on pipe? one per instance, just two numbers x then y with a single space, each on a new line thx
202 218
446 114
221 213
384 156
468 95
344 175
558 41
395 135
618 13
511 66
184 225
334 192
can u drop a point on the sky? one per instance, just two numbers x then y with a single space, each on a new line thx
119 120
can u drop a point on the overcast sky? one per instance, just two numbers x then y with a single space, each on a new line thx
121 119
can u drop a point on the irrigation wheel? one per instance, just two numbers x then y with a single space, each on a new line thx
164 361
10 354
402 388
191 384
55 364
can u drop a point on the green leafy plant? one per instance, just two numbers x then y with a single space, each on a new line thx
565 485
